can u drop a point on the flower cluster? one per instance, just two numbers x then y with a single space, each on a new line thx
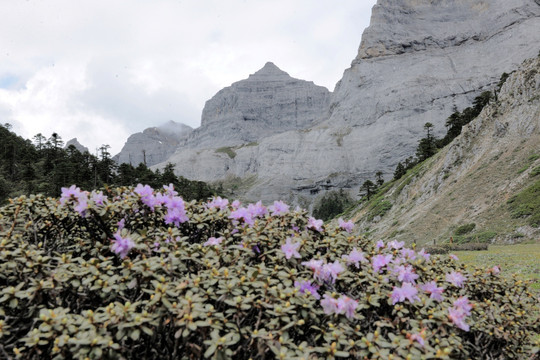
342 305
457 313
122 245
81 199
262 269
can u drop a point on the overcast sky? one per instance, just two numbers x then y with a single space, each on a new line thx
101 70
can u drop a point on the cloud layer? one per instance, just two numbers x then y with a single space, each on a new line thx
101 70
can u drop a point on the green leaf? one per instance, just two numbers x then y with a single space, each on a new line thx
147 330
135 334
210 351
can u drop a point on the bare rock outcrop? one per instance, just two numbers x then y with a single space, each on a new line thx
153 145
418 62
268 102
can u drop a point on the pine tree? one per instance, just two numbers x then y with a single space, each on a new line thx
379 176
400 171
369 187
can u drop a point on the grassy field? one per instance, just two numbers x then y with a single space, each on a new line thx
523 260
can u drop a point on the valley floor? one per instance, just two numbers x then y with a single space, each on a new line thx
522 260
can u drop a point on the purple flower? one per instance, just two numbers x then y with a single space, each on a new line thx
405 273
347 306
331 271
235 204
98 198
218 203
122 245
458 318
144 190
290 249
463 303
434 291
244 214
495 270
257 210
380 244
279 208
169 190
458 313
69 193
324 272
314 265
406 291
408 253
329 304
424 254
174 202
121 224
315 224
175 216
146 193
418 338
213 241
456 278
453 257
355 257
346 225
343 305
307 286
396 244
82 206
378 261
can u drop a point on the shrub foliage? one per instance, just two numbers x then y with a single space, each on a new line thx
131 273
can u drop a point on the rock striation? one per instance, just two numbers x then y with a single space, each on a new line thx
153 145
419 61
77 145
268 102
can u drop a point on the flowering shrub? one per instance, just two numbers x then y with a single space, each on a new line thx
137 273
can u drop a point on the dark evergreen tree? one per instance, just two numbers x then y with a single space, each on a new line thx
426 146
379 176
331 204
369 188
400 171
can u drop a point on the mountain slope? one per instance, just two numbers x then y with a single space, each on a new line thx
471 180
418 60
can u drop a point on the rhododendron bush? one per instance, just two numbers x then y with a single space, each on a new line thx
140 273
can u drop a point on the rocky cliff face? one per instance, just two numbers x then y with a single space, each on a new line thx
153 145
418 61
268 102
471 180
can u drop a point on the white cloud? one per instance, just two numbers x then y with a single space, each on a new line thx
100 70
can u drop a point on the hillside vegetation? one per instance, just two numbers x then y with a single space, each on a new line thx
482 187
44 166
138 273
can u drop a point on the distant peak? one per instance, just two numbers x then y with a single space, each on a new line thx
270 69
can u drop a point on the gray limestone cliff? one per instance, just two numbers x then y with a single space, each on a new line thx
77 145
418 62
153 145
472 179
267 103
